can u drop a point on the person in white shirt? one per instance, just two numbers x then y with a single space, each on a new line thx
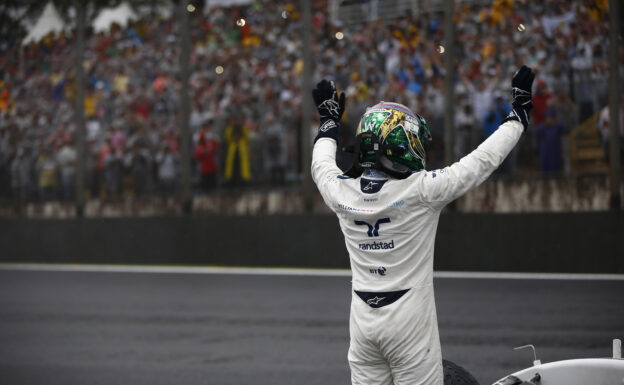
66 158
388 208
605 128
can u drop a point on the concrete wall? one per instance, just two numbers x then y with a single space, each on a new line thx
589 242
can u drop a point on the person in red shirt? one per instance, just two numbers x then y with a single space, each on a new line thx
540 102
205 155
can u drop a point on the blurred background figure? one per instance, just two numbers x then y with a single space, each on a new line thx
541 96
205 155
138 165
549 134
112 168
499 108
168 165
47 175
237 169
275 150
566 113
495 114
604 122
66 158
21 178
466 128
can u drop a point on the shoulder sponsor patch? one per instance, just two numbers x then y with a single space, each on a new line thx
435 173
396 204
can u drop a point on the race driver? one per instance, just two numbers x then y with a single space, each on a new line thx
388 208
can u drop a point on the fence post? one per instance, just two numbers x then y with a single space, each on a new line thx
449 67
614 106
184 34
306 113
79 109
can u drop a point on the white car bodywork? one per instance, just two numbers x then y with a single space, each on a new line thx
594 371
587 371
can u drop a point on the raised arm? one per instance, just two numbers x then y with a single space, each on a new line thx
330 107
442 186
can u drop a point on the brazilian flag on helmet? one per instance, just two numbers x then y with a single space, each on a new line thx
392 138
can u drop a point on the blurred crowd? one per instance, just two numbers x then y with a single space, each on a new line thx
246 64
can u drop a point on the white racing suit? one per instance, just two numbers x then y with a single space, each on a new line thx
389 227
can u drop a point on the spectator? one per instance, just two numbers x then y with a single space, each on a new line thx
566 114
466 128
138 162
206 156
92 176
102 155
20 178
237 170
549 135
482 99
66 158
47 172
540 102
275 151
496 113
256 146
168 170
557 80
564 109
605 129
113 170
583 90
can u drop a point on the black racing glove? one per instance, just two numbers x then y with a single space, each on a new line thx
330 107
522 103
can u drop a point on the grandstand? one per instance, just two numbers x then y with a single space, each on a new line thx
246 64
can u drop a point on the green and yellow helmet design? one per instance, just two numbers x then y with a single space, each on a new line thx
401 136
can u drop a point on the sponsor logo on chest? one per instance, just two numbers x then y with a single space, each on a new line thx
377 245
373 231
379 271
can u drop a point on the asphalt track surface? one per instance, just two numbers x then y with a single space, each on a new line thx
133 328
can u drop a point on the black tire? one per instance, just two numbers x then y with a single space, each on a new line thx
456 375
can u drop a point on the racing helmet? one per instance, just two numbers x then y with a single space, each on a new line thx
392 138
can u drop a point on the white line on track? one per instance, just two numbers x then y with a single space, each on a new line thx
175 269
291 271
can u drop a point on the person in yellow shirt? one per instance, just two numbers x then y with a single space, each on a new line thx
90 102
47 169
120 82
236 137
